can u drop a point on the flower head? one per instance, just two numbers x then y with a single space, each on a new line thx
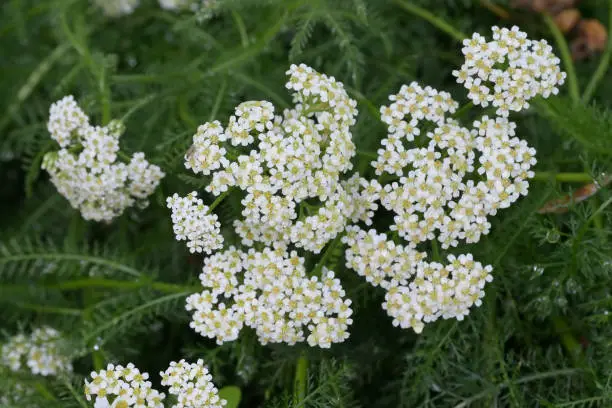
42 351
122 387
192 222
87 170
192 384
269 291
284 163
509 70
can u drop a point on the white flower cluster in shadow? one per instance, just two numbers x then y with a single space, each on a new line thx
42 352
87 169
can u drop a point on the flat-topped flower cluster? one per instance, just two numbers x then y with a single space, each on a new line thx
87 169
42 352
120 386
125 387
270 292
297 157
192 384
509 70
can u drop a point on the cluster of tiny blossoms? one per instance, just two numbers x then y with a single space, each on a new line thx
283 161
41 351
509 70
446 180
122 387
86 169
193 222
269 292
192 384
447 188
418 292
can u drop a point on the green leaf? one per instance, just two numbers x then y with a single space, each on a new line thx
232 395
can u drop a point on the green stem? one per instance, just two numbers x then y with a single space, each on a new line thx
120 284
330 249
602 68
218 200
71 257
463 110
244 38
301 380
582 231
566 57
435 249
50 309
563 177
571 345
44 391
431 18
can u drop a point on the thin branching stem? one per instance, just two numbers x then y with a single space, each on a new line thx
566 57
604 63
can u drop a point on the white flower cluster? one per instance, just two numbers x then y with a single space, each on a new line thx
192 384
41 350
122 387
269 292
117 8
509 70
86 169
299 157
439 194
418 292
192 222
446 180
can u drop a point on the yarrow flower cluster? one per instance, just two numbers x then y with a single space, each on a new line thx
192 384
193 222
122 387
42 352
298 157
446 180
509 70
86 169
438 194
418 292
269 291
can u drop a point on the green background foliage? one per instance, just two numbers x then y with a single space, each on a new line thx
542 338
